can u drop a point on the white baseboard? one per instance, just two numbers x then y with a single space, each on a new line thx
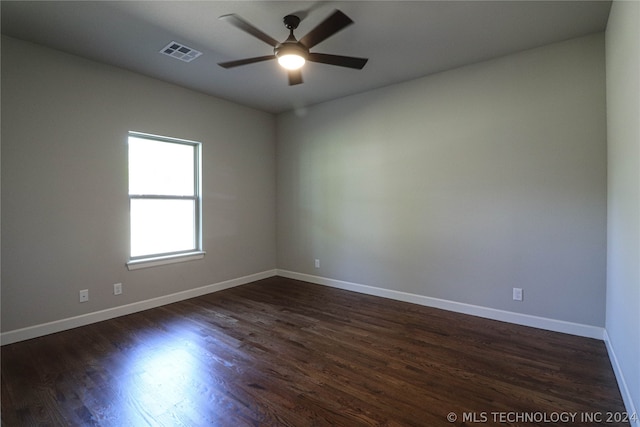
489 313
474 310
110 313
622 384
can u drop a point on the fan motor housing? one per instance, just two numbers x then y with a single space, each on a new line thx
291 48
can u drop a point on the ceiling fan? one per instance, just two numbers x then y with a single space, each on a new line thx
293 53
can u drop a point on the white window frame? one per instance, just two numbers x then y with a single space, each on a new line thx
152 260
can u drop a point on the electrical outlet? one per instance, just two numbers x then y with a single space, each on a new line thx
517 294
84 295
117 288
317 263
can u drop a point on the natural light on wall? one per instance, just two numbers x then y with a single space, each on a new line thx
164 196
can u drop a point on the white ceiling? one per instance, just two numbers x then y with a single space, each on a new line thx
402 39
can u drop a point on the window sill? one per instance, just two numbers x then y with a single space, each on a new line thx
163 260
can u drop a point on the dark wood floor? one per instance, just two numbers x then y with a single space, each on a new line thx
280 352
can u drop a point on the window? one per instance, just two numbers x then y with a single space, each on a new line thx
164 200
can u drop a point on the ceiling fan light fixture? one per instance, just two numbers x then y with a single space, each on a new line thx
291 55
291 61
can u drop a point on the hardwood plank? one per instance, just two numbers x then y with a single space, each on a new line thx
280 352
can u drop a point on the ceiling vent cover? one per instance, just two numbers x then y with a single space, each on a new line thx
180 51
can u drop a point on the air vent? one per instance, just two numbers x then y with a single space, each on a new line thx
180 51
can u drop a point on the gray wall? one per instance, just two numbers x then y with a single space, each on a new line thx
623 137
64 184
459 185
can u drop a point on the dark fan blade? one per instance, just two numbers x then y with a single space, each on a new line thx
341 61
238 22
326 29
295 77
231 64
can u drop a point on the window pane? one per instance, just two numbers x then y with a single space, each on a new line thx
160 167
160 226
